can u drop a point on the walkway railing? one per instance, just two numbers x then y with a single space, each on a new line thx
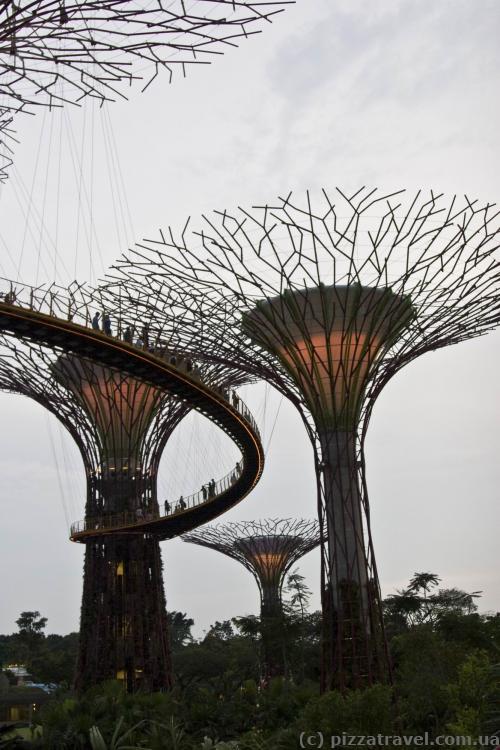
206 494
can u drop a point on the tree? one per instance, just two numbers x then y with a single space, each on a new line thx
419 604
423 582
248 625
30 635
180 628
223 631
30 624
298 591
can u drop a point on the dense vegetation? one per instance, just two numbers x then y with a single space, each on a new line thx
446 660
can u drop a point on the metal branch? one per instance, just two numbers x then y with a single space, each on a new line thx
53 51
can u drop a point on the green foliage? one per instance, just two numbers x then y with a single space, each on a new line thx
491 723
416 605
364 712
180 629
446 666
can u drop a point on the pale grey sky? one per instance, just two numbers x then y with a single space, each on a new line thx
390 93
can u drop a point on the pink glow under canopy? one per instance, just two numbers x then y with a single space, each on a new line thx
329 340
121 407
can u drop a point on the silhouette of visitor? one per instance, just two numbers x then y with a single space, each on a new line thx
95 321
166 505
182 504
106 324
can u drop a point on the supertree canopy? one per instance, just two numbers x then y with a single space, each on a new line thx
327 297
121 425
268 549
52 51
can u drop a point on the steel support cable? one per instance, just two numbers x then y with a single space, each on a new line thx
120 182
44 199
72 470
22 200
114 193
79 187
30 201
62 495
77 163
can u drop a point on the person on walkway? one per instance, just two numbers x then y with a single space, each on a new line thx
106 324
211 488
145 336
204 492
95 321
236 400
128 335
182 504
167 507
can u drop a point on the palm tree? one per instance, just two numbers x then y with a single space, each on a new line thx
423 582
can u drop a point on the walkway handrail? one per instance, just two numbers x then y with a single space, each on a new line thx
133 518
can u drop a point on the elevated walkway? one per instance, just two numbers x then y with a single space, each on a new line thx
32 319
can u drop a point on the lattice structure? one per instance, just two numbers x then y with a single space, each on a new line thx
6 143
268 549
327 297
121 426
53 51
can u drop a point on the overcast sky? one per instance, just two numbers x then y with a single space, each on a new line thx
387 93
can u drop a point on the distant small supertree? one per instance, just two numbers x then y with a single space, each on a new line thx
268 549
327 297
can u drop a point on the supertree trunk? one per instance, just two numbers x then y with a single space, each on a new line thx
353 626
273 646
124 631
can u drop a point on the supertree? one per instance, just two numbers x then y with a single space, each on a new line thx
268 549
327 297
52 51
120 424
